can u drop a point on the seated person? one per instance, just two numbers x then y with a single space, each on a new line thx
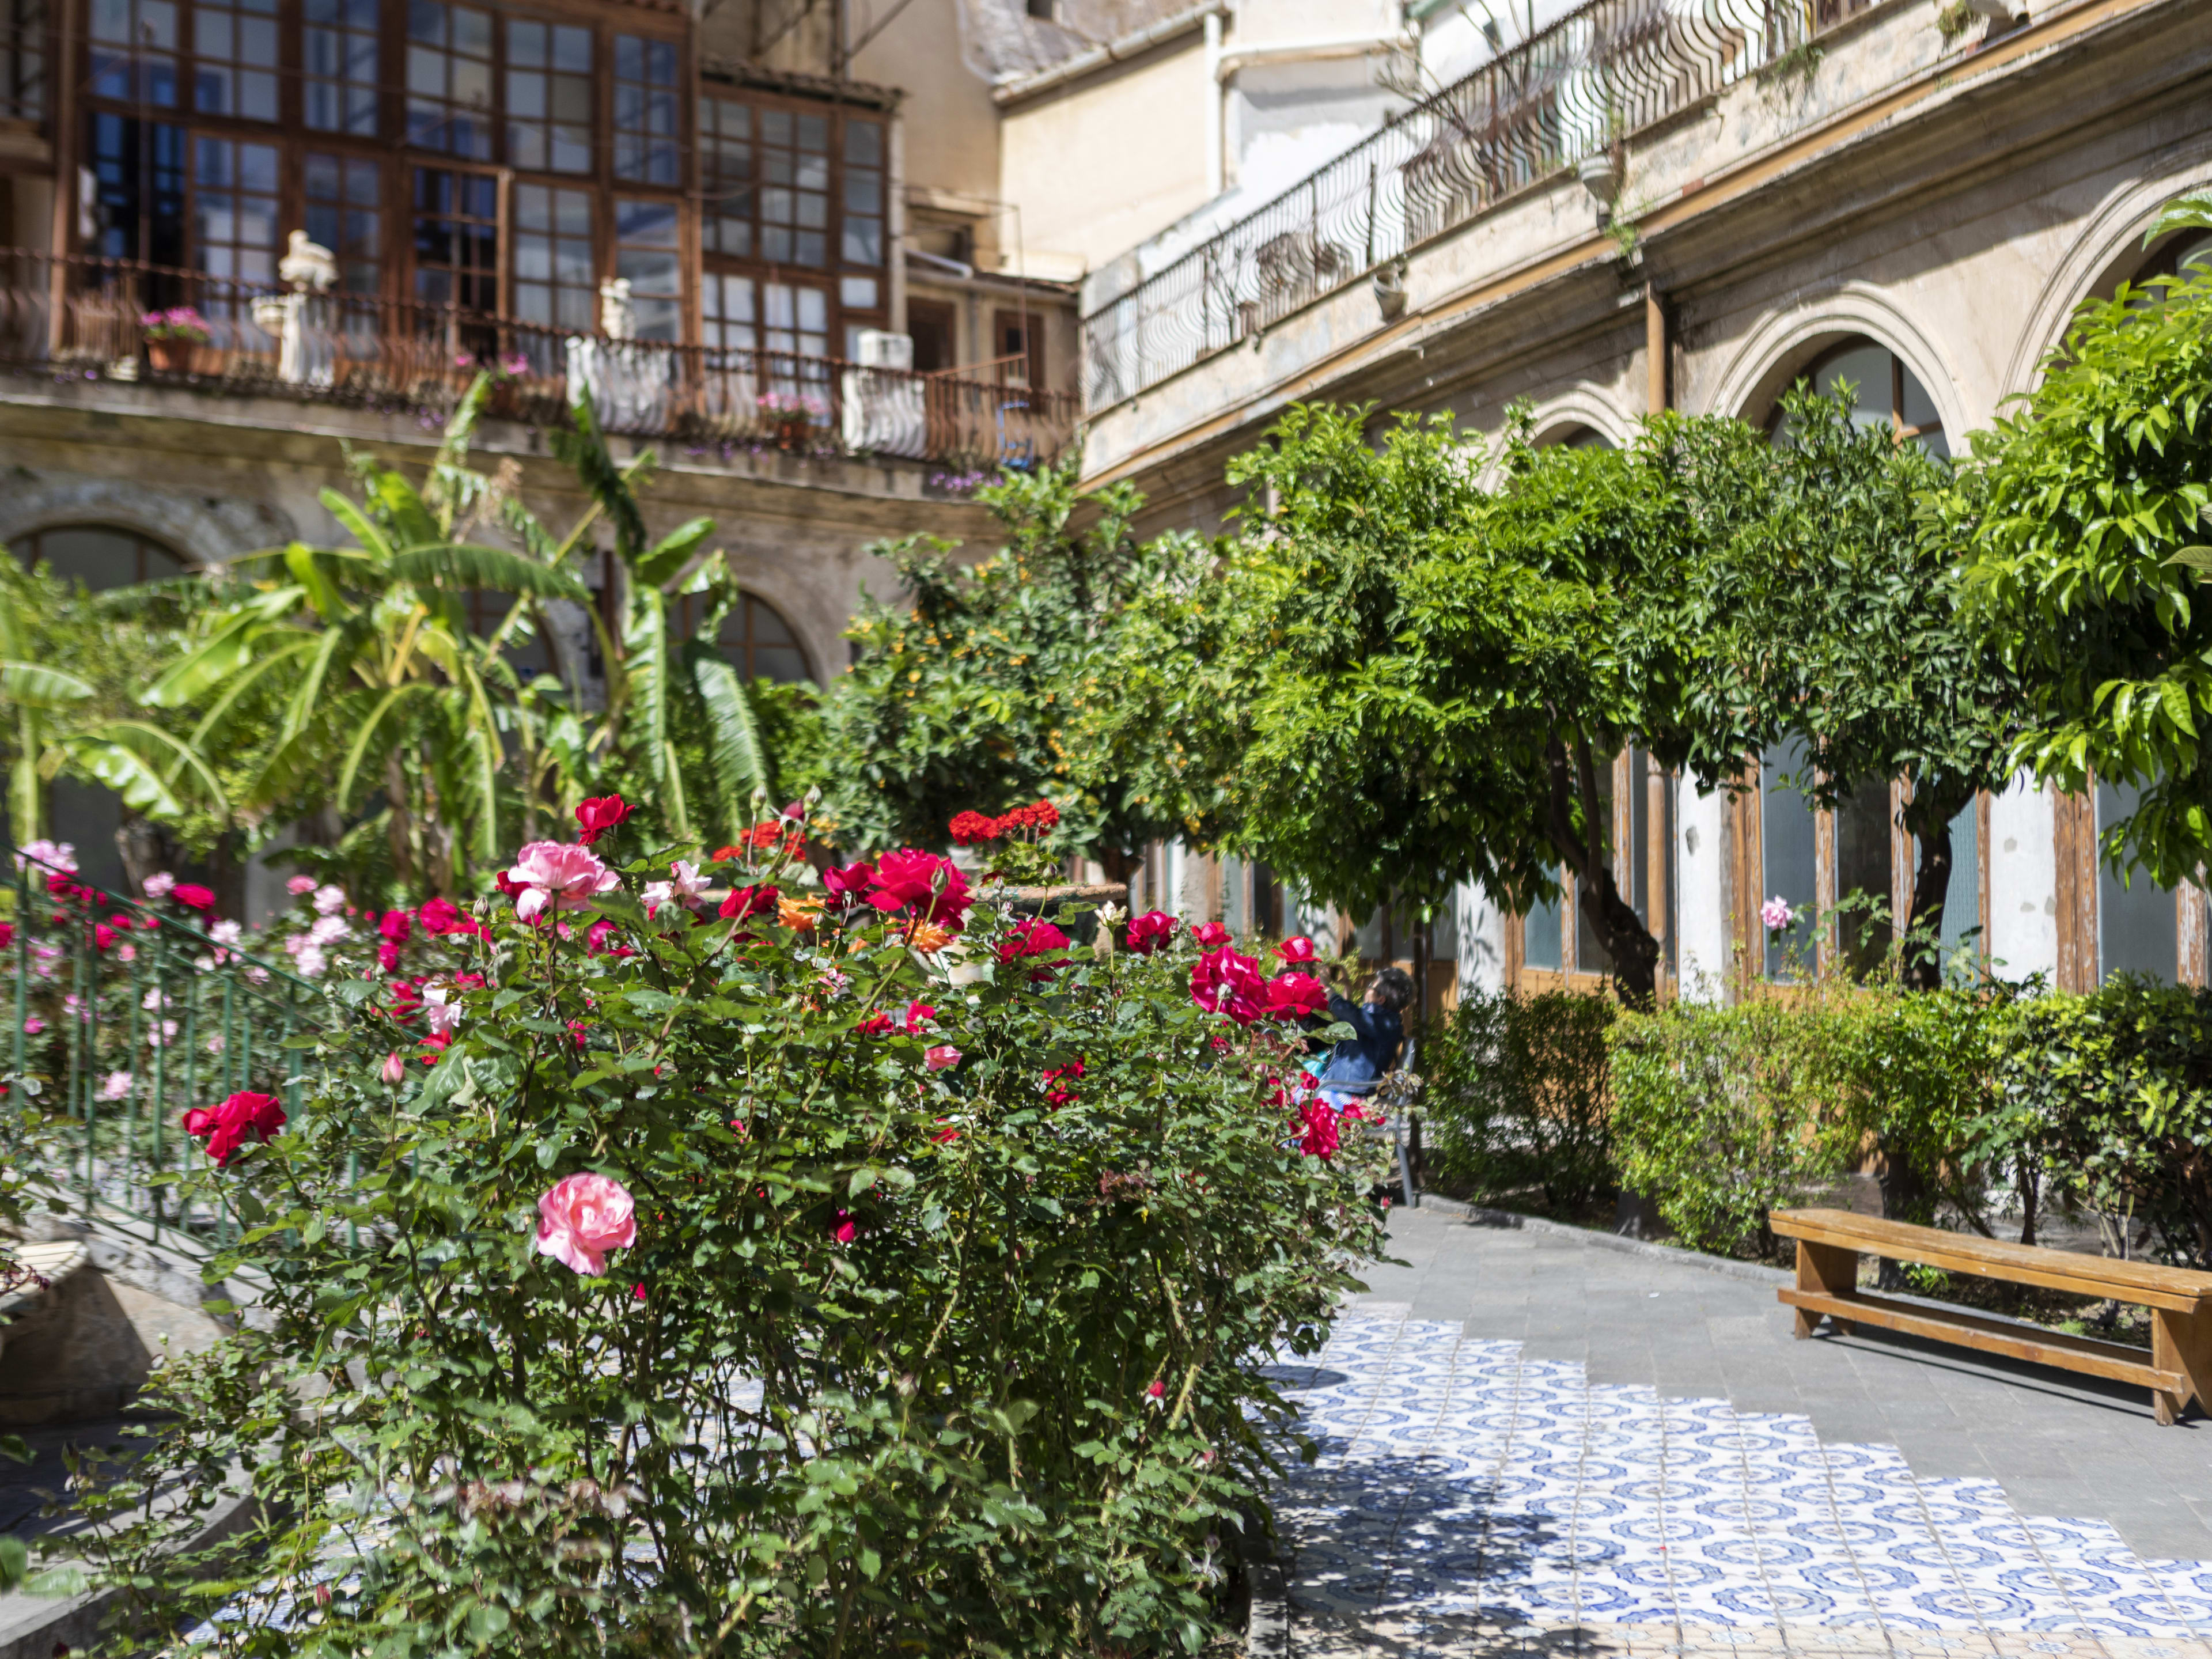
1380 1033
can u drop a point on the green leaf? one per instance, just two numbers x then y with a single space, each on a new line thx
460 567
733 742
37 687
672 553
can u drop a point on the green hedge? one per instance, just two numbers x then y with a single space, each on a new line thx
1966 1105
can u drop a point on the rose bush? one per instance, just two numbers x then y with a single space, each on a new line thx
869 1274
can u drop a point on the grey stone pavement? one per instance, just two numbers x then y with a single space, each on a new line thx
2056 1443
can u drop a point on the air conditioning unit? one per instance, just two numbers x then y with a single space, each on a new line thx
879 350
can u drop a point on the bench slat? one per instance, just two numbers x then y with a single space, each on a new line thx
2145 1284
2112 1360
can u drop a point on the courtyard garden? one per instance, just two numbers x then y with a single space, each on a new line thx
691 1166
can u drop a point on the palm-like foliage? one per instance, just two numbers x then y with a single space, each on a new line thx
389 687
60 721
387 690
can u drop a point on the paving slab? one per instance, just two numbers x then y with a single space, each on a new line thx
1535 1442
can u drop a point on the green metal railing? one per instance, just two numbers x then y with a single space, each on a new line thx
123 1017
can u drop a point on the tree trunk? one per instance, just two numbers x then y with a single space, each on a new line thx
1627 941
1927 818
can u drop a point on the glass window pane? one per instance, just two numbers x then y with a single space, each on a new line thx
2135 921
863 143
1541 937
1962 898
1786 846
1864 848
1866 369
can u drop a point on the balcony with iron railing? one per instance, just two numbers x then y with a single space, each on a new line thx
1606 72
86 318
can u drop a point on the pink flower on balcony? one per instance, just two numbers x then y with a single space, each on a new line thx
560 874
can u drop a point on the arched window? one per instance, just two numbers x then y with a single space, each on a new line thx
99 555
1886 393
761 645
2191 248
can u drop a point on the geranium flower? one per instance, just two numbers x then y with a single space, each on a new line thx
749 901
1151 931
191 897
924 883
1295 996
1210 935
1297 948
562 874
972 828
1224 983
601 815
581 1217
225 1126
684 886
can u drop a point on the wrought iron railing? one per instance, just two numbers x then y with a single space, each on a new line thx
124 1019
86 318
1600 73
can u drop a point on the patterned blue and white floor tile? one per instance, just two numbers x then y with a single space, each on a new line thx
1463 1484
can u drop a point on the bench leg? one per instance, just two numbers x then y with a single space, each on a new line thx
1830 1270
2182 1342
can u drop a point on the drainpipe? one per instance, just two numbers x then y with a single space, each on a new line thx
1215 92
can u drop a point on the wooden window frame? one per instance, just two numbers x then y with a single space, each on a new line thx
396 160
1657 855
831 273
2073 837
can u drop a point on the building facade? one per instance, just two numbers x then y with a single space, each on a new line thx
1637 204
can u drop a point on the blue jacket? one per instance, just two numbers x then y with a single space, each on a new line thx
1364 1058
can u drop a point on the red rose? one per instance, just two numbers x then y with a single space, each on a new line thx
439 916
387 957
876 1024
1210 935
749 901
1032 938
7 934
394 927
846 885
924 883
1060 1083
508 885
1299 948
192 898
1318 1138
1294 996
969 828
225 1126
601 815
1151 931
596 941
58 884
1223 982
102 936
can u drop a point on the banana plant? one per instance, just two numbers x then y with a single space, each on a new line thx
389 688
659 683
58 726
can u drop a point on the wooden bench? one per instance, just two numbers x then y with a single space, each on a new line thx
2178 1368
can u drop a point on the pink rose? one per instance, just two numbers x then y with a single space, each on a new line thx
158 884
559 873
941 1057
394 1069
300 884
582 1217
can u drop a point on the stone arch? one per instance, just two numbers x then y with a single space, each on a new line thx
2107 250
1557 419
202 532
1785 342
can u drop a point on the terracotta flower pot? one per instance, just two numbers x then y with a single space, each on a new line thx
169 356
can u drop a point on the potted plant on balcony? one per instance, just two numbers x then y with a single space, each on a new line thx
171 335
789 419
